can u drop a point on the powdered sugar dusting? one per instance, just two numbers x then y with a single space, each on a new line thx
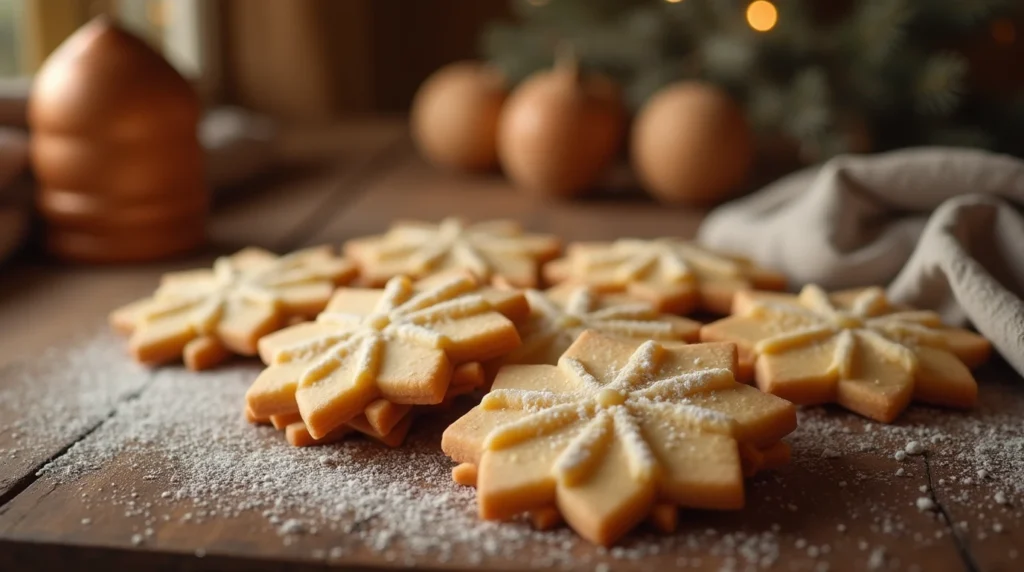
642 463
687 383
522 399
639 368
535 425
574 365
67 390
580 456
844 354
183 440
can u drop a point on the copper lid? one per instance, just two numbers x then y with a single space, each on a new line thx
105 82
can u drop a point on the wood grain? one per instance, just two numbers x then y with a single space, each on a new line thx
414 189
332 163
49 306
990 532
837 506
78 401
328 165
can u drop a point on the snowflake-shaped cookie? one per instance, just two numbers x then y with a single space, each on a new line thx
675 275
559 315
615 427
398 343
381 420
203 315
853 348
489 250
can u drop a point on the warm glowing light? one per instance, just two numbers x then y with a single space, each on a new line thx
673 1
1004 32
762 15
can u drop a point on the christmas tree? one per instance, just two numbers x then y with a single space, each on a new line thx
827 77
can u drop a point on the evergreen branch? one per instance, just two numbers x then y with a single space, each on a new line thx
810 106
727 58
879 28
962 13
766 107
940 84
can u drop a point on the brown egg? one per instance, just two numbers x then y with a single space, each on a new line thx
691 144
454 117
560 130
114 148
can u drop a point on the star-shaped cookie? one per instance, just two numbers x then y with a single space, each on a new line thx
400 343
381 420
616 428
675 275
497 249
853 348
560 314
204 315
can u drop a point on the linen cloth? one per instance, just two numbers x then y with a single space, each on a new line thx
943 228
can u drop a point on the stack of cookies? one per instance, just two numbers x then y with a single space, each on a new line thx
599 404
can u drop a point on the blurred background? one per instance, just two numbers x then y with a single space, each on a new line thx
811 69
298 60
690 102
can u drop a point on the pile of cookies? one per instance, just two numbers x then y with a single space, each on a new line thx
599 404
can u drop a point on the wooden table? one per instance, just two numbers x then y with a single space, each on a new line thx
839 506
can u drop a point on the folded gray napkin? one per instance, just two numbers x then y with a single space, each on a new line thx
942 227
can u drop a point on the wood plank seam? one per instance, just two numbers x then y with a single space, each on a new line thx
962 545
350 188
15 555
3 509
34 474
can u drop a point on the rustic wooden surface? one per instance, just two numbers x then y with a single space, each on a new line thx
56 299
371 177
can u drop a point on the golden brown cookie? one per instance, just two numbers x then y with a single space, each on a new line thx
383 421
400 343
615 428
497 249
559 315
298 436
202 316
663 516
853 348
675 275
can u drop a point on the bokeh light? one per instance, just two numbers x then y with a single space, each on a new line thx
762 15
1004 32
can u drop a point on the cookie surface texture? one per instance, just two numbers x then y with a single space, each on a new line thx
559 315
491 250
616 428
400 343
853 348
675 275
203 316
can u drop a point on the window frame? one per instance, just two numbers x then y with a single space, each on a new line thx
50 22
